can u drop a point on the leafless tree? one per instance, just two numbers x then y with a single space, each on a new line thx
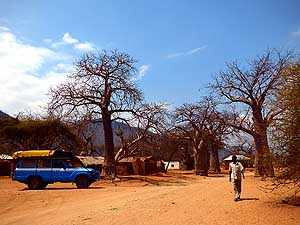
101 84
252 88
145 125
201 124
86 131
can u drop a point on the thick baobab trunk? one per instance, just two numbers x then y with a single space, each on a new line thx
201 160
109 168
185 158
214 164
263 159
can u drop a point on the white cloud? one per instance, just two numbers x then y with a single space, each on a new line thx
64 67
86 46
193 51
296 34
68 39
4 28
24 79
48 41
7 37
142 71
18 57
185 53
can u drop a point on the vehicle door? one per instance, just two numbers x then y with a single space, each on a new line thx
24 169
44 169
62 171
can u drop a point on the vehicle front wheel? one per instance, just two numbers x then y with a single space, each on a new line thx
82 181
44 185
35 183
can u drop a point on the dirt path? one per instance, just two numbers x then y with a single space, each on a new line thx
179 198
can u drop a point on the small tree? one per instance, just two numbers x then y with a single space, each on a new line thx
287 131
144 126
85 127
39 134
101 84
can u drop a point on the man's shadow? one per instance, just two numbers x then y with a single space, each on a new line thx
249 199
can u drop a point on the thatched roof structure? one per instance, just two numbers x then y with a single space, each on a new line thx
89 160
239 158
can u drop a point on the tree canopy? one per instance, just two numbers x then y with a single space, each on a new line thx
37 134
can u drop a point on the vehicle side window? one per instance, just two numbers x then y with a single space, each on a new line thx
75 162
29 163
69 163
44 163
58 163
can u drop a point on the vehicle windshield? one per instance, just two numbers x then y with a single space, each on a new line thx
74 162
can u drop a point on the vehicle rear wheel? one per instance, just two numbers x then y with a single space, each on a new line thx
82 181
35 183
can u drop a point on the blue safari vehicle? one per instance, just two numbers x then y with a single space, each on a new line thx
38 168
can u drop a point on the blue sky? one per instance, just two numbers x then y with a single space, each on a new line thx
179 45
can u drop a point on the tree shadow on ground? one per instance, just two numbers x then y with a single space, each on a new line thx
215 175
168 179
294 200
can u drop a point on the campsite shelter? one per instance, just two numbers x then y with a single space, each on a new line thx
240 158
139 166
93 162
5 165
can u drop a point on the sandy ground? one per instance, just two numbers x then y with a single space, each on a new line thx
179 198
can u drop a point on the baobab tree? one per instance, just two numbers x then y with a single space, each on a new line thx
102 83
201 124
252 88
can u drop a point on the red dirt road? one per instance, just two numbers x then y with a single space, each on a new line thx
179 198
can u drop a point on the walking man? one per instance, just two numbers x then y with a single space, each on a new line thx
236 171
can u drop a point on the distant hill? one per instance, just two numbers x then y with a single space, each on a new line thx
96 127
3 115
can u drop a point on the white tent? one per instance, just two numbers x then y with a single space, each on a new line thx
239 158
3 156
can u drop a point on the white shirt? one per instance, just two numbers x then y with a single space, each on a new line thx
236 170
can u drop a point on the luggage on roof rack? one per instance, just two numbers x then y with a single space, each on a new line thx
43 153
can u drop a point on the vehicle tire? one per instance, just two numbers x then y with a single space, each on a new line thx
82 181
44 185
35 183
